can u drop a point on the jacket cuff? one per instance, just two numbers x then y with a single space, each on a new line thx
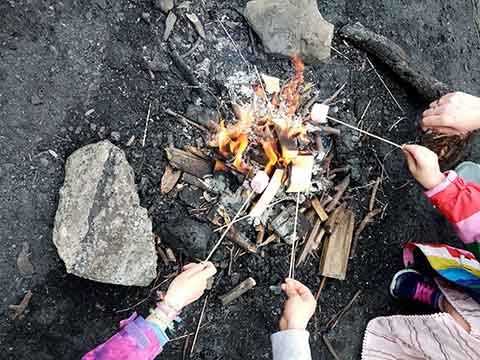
450 177
291 345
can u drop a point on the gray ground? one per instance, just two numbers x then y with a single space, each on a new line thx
59 59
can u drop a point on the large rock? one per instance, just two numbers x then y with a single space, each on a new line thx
287 27
101 232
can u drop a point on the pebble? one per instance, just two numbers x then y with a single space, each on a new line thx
35 99
93 126
164 5
115 135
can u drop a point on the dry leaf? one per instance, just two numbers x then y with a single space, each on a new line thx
169 179
24 265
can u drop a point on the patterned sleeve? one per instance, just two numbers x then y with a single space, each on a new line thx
137 339
459 201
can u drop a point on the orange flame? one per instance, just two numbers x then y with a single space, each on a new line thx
234 139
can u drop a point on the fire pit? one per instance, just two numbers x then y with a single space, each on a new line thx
279 129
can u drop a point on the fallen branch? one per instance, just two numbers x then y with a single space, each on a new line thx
20 308
393 56
373 198
333 322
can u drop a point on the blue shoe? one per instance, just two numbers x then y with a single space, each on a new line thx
410 285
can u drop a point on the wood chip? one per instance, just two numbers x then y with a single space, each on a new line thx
169 179
319 209
197 24
187 162
20 308
238 291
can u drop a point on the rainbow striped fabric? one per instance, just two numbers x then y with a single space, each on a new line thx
459 201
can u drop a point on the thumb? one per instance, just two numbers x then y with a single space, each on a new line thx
290 289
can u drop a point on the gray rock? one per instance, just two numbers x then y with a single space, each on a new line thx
287 27
101 232
164 5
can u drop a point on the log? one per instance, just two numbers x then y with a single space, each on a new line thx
319 209
241 240
395 58
189 163
273 187
241 289
336 251
340 188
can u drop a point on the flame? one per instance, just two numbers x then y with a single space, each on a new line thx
271 123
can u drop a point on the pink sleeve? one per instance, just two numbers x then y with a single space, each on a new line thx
136 340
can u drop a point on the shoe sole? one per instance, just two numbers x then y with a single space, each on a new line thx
397 275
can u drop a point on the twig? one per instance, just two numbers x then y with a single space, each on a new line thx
396 123
364 132
339 53
198 326
234 43
371 204
386 87
188 334
291 273
337 317
185 120
320 288
243 207
146 125
330 348
364 113
192 48
334 96
366 220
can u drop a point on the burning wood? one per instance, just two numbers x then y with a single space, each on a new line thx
187 162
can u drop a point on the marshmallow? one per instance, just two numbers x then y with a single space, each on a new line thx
260 182
319 113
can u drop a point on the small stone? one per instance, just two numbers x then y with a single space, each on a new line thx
89 112
115 136
146 17
44 161
164 5
101 232
289 27
93 126
102 4
24 265
169 24
35 99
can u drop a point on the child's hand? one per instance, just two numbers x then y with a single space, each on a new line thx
454 113
423 164
299 307
189 285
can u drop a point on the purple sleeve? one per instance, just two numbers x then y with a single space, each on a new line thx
136 340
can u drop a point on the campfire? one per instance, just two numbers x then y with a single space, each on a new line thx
281 132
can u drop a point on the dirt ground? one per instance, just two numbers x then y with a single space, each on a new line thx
60 59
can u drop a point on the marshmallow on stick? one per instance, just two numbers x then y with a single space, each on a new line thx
319 113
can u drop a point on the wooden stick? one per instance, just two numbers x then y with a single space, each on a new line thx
320 288
273 186
185 120
291 273
365 132
319 209
244 205
198 325
238 291
341 188
309 244
330 99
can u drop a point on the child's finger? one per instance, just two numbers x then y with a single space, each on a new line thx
209 270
